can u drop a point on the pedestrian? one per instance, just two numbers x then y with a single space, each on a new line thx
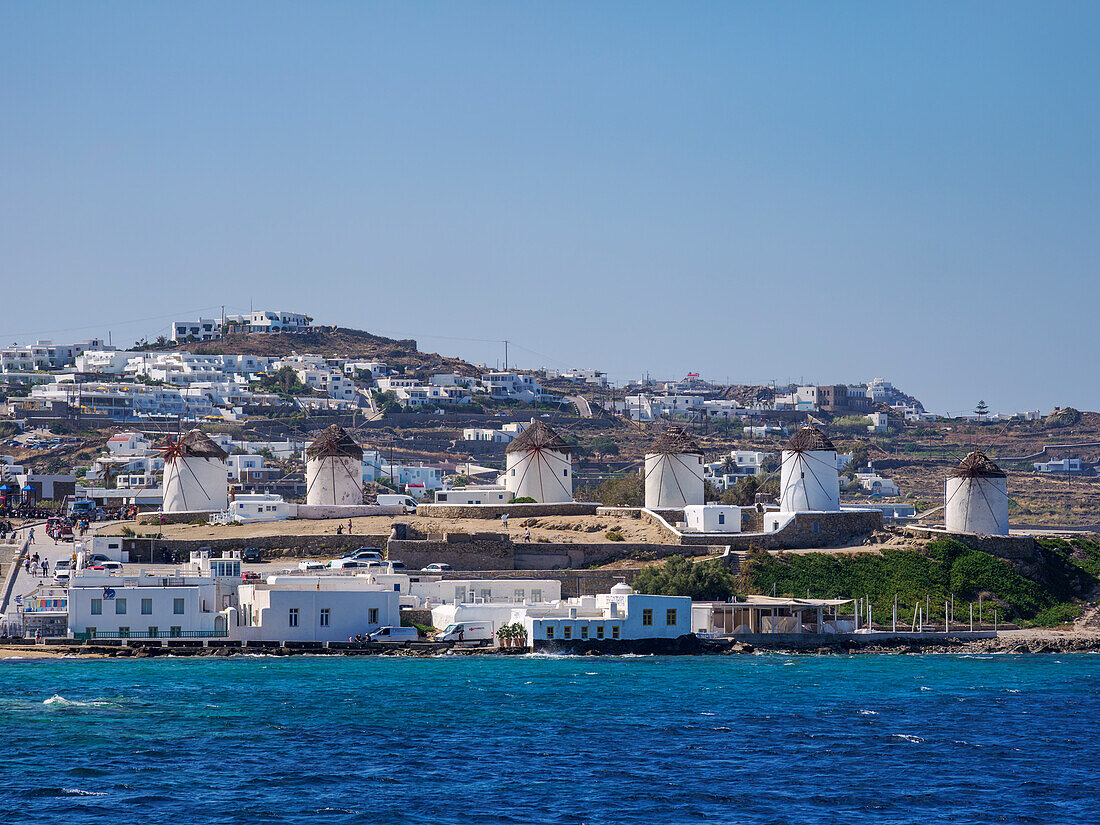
32 535
527 534
349 526
504 520
45 567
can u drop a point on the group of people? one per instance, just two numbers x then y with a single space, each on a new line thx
36 565
504 523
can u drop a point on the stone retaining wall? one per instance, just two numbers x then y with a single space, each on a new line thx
495 511
805 530
162 551
188 517
1004 547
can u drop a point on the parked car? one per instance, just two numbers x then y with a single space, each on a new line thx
250 554
62 564
395 634
348 564
363 554
307 566
251 575
61 577
408 503
397 566
437 567
98 558
109 566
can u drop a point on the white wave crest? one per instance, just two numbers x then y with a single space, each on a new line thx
60 701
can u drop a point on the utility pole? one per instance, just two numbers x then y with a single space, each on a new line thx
506 356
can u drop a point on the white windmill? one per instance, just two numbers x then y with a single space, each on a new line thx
539 465
808 479
976 497
334 469
673 470
195 475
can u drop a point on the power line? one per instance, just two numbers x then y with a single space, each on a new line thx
101 325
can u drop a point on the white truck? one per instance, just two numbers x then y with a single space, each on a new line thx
397 500
469 633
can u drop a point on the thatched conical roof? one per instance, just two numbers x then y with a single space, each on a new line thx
976 465
672 439
194 444
334 441
538 436
809 439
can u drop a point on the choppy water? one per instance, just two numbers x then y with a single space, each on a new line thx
740 739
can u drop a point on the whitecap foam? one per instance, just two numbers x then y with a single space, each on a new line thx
905 737
868 713
80 792
60 701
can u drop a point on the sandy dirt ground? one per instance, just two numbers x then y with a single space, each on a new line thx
570 529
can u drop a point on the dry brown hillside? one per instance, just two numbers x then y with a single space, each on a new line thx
330 342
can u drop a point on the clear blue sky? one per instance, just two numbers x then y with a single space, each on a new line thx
752 191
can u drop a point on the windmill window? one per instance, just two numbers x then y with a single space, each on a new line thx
565 473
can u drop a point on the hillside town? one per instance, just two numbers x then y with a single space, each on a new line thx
242 467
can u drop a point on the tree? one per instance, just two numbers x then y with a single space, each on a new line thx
981 410
860 456
742 492
702 581
625 491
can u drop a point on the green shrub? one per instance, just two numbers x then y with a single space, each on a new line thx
944 569
523 500
614 535
703 581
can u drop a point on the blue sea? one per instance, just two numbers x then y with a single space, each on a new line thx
552 739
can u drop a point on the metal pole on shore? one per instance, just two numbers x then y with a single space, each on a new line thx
946 618
994 620
972 617
895 613
979 608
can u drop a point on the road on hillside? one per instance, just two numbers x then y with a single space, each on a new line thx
582 405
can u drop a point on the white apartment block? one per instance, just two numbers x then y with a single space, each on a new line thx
43 355
209 329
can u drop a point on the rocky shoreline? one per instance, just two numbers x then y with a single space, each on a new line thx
1011 642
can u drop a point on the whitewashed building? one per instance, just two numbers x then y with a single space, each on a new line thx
323 608
712 518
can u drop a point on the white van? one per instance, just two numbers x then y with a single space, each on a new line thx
395 634
397 500
468 633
